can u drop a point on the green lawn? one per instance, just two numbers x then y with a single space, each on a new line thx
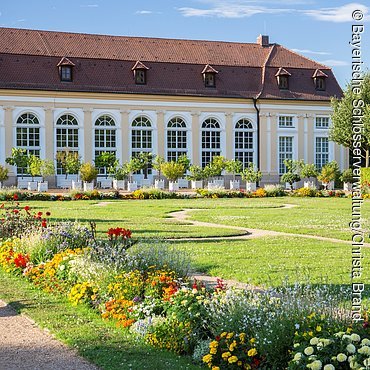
82 328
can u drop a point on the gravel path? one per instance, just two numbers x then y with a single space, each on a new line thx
24 346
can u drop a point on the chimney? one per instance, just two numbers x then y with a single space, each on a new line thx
263 40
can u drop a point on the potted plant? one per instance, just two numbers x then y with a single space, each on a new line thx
20 159
70 162
235 167
196 176
3 175
172 171
251 175
185 161
329 173
347 178
309 172
120 174
106 161
214 170
133 166
157 165
34 169
46 169
88 174
145 159
291 175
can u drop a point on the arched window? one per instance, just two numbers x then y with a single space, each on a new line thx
141 137
66 136
244 141
211 140
28 135
105 137
176 139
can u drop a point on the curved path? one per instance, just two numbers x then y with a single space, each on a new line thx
249 233
24 346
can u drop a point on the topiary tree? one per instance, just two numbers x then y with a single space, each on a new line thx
173 170
34 166
196 173
46 168
234 166
70 162
145 159
107 161
88 172
292 173
251 173
329 172
217 165
3 174
133 166
19 158
157 165
185 161
309 170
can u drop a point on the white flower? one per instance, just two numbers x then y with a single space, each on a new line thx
365 342
365 350
367 362
351 348
355 337
341 357
314 341
308 351
329 367
339 334
62 267
297 326
316 365
297 357
296 345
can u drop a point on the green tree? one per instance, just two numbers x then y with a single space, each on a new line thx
107 161
19 158
342 117
292 173
173 170
157 165
69 161
234 166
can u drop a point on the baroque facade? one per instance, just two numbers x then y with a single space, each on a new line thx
259 102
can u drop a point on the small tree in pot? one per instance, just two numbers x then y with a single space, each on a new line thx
347 178
145 159
19 158
157 165
251 175
309 171
3 175
185 161
133 166
34 169
46 169
70 162
120 174
173 171
88 174
235 167
107 162
196 176
214 170
292 172
329 173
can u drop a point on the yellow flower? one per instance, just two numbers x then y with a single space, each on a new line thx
232 359
213 344
232 346
213 351
223 334
229 336
252 340
215 368
207 358
318 328
310 333
242 337
239 363
252 352
226 355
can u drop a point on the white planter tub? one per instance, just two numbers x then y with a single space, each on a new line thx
146 183
309 184
64 183
76 185
159 184
197 184
88 186
118 184
32 185
234 184
105 183
42 186
173 186
22 183
132 186
183 183
328 185
250 186
347 186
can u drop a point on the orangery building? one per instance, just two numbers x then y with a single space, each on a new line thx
256 102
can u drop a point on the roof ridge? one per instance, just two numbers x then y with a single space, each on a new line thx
263 75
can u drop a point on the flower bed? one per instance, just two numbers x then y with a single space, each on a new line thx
144 289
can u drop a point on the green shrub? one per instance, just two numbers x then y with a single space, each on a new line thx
274 190
365 176
305 192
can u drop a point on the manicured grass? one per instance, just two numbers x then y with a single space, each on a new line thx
269 260
82 328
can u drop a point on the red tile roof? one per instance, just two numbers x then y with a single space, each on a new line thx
28 60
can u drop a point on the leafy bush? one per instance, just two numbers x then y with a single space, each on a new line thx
220 193
88 172
347 176
251 174
172 170
329 172
365 176
3 173
305 192
274 190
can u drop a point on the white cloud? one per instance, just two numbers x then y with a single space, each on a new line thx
334 63
231 11
338 14
307 51
89 6
144 12
21 20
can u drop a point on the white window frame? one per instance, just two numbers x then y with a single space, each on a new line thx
185 129
212 151
294 147
294 121
321 128
321 153
253 130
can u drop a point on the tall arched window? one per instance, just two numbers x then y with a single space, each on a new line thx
105 137
66 135
141 137
211 140
28 135
244 141
176 138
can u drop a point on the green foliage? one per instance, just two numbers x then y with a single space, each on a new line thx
34 166
274 190
329 172
196 173
185 161
145 159
216 167
251 173
106 160
134 165
88 172
157 164
40 167
342 117
365 176
69 161
172 170
234 166
347 175
293 169
19 158
121 172
3 173
309 170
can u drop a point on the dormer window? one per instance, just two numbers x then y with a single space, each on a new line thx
209 76
65 70
282 77
140 74
319 78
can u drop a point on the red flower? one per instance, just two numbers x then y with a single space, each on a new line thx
218 338
27 208
15 196
21 260
43 223
48 213
15 211
39 214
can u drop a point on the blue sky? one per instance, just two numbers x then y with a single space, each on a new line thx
320 30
